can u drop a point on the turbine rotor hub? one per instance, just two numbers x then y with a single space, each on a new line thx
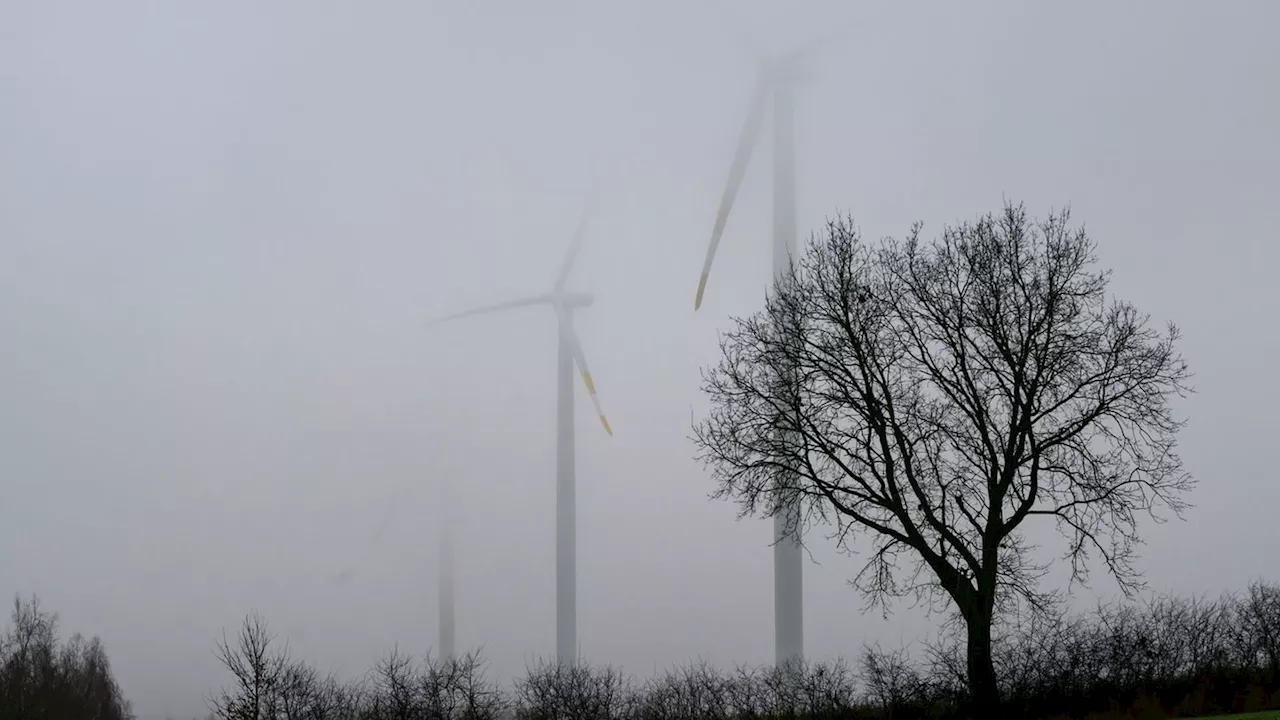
573 300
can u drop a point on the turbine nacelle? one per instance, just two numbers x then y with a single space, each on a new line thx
783 69
561 300
571 300
776 72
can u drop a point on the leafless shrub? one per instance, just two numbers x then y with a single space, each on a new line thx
696 690
947 669
437 689
825 689
1259 618
458 688
1167 656
338 700
563 691
746 694
891 682
793 690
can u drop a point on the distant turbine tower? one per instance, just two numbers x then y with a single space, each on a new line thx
446 626
777 82
570 352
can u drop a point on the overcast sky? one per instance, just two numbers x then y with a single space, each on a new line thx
224 225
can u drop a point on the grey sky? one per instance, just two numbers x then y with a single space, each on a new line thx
223 225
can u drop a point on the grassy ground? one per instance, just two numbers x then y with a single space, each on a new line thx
1265 715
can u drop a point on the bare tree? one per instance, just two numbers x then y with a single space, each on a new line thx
259 671
1259 617
891 682
396 688
577 691
823 690
458 687
42 678
688 691
936 396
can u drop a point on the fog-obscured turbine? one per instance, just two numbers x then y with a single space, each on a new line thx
570 353
774 91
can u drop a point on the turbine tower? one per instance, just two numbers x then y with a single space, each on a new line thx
776 84
569 353
446 626
445 586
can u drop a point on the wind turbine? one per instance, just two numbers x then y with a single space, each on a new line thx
569 353
445 599
776 84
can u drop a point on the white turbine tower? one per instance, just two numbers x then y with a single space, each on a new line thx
570 353
776 83
446 626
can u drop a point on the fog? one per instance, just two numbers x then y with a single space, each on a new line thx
225 226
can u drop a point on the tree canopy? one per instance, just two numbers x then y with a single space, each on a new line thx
934 396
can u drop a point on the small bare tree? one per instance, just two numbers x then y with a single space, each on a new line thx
259 672
1260 619
396 687
458 687
936 396
891 682
688 691
573 691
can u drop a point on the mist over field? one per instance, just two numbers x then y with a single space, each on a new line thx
225 229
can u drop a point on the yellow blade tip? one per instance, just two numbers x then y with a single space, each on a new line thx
702 286
605 422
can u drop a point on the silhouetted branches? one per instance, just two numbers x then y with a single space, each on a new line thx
258 670
559 691
935 396
41 679
1163 657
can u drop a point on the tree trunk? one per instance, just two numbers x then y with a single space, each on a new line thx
983 691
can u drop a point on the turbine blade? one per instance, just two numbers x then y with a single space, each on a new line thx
536 300
575 245
738 170
581 360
